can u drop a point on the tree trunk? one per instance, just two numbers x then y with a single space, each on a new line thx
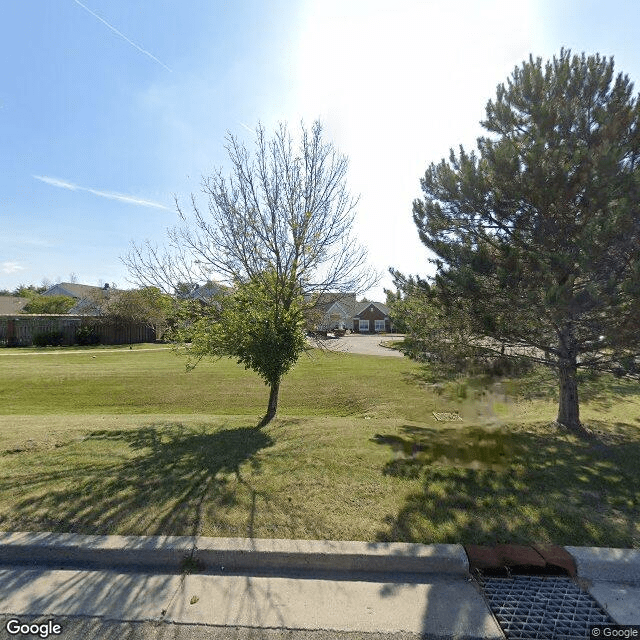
569 409
273 404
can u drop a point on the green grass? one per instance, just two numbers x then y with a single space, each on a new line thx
153 381
128 443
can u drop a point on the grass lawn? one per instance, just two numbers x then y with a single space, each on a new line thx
120 441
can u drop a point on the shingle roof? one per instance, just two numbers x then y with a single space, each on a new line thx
74 290
203 292
346 300
12 304
361 306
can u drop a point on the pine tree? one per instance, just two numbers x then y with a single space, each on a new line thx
537 235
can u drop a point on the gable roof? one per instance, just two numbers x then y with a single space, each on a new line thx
204 292
342 308
12 304
346 301
77 291
363 306
85 307
89 299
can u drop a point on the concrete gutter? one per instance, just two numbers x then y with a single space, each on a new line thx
169 553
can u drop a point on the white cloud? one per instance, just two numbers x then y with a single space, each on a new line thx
112 195
11 267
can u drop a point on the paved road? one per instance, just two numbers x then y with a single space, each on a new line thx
367 345
87 628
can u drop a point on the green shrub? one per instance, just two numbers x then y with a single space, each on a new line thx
86 336
49 304
48 339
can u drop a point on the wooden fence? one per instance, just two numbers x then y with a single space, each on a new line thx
20 330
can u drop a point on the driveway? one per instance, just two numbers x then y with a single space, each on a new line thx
367 345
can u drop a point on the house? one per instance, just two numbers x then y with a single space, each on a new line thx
89 299
371 317
203 293
336 311
10 305
74 290
333 311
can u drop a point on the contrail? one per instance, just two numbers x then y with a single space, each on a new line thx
248 128
133 44
103 194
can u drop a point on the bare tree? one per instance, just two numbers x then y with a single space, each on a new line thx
281 219
283 209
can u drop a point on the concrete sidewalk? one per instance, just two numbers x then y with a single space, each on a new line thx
269 586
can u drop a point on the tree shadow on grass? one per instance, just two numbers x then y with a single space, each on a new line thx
527 485
155 480
604 391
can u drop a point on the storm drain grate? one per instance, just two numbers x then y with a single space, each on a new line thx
446 416
535 608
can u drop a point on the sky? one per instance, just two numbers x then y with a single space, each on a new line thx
109 108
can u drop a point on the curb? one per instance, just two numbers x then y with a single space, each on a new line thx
302 555
603 564
69 549
170 553
175 553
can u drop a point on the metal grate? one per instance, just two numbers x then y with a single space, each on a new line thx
535 608
446 416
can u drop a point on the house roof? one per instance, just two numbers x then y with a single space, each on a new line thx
12 304
203 292
88 298
346 301
84 307
363 306
342 308
75 290
347 304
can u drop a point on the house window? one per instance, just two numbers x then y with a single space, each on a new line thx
364 326
379 326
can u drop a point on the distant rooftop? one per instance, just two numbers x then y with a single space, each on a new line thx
75 290
12 304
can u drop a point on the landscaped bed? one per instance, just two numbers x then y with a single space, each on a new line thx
128 443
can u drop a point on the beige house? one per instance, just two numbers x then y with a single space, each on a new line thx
343 312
